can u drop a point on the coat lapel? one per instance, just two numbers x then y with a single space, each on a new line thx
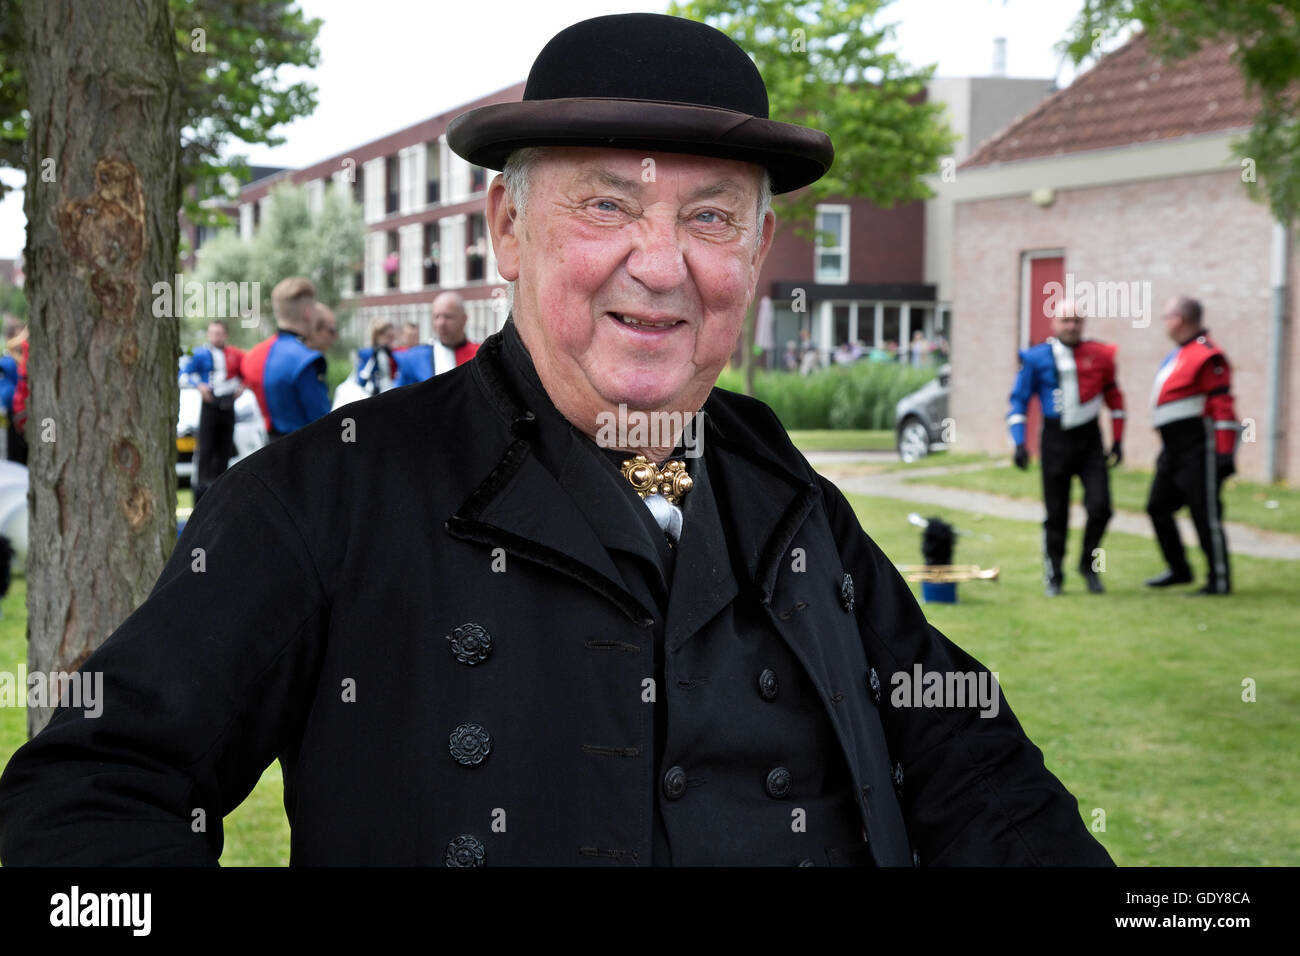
521 508
703 582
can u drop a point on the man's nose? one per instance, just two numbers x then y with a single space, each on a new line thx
656 260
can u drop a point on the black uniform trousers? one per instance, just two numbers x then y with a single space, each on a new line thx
1066 453
1187 474
216 442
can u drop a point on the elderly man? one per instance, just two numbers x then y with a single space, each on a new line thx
452 348
601 659
1072 377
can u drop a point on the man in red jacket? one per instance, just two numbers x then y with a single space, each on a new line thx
1194 411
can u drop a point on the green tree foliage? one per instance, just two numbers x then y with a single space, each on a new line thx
228 52
1266 38
12 302
324 247
826 65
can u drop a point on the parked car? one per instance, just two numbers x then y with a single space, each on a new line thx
250 429
919 419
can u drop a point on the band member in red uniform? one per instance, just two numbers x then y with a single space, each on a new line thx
1194 411
1072 377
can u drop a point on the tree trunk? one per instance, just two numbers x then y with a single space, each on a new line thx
103 190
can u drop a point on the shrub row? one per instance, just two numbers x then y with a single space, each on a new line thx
862 395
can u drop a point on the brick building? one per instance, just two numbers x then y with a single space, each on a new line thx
424 212
1123 189
882 275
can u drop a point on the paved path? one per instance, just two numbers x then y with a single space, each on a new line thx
1242 539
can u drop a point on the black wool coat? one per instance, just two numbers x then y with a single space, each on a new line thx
404 606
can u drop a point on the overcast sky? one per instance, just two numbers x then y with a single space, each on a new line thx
386 64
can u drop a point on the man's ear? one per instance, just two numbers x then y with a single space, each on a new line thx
765 243
502 221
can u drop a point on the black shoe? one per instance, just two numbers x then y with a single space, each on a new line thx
1167 579
1052 589
1093 581
1210 589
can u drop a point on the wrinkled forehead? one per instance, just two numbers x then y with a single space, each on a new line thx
640 171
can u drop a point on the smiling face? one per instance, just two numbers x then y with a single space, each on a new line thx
631 291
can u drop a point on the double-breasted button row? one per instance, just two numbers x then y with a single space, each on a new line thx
846 592
470 644
674 783
873 684
466 850
470 744
778 783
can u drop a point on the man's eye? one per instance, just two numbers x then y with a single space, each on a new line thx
606 205
708 217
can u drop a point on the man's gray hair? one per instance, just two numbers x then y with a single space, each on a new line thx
518 171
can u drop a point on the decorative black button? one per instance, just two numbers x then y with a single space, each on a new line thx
846 592
778 783
470 744
807 863
768 685
674 783
873 681
898 779
471 643
466 850
916 858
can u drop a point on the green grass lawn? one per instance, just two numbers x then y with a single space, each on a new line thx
1134 697
1243 501
939 459
845 439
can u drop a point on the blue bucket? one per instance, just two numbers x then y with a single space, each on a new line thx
939 592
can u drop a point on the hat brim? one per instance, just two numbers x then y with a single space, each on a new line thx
793 155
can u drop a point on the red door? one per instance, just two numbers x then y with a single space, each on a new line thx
1041 270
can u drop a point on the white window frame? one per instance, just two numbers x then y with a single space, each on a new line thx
823 278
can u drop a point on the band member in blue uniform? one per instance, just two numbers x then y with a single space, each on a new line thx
287 377
1193 408
214 369
376 367
451 348
1072 377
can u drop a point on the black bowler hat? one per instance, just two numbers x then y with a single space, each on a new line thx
645 81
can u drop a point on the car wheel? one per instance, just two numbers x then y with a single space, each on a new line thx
913 440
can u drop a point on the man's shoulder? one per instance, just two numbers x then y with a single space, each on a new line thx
1042 352
427 445
1096 347
748 426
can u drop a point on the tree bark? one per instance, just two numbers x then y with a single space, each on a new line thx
102 194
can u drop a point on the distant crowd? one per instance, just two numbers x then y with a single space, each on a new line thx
920 352
287 373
